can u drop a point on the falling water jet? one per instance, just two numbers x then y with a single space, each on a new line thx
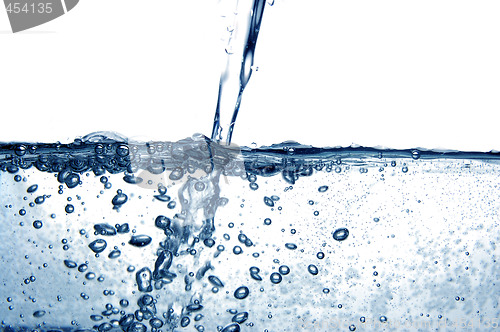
231 85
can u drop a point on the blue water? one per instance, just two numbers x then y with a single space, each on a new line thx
106 233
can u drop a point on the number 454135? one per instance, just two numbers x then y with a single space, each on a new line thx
40 8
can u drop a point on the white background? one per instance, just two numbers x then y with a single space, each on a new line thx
399 73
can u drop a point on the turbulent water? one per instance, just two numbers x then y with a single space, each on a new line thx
110 234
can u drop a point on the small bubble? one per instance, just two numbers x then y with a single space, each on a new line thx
268 201
267 221
322 189
312 269
39 313
69 208
341 234
320 255
98 246
383 319
70 264
275 278
284 270
37 224
199 186
241 292
237 250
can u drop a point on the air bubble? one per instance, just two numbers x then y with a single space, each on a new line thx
341 234
312 269
140 240
284 270
241 292
98 246
268 201
275 278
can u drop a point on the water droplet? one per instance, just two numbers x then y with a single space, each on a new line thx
267 221
37 224
237 250
291 246
404 169
352 327
341 234
383 319
415 154
241 292
312 269
322 189
275 278
320 255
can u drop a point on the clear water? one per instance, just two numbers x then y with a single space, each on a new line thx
108 234
201 235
